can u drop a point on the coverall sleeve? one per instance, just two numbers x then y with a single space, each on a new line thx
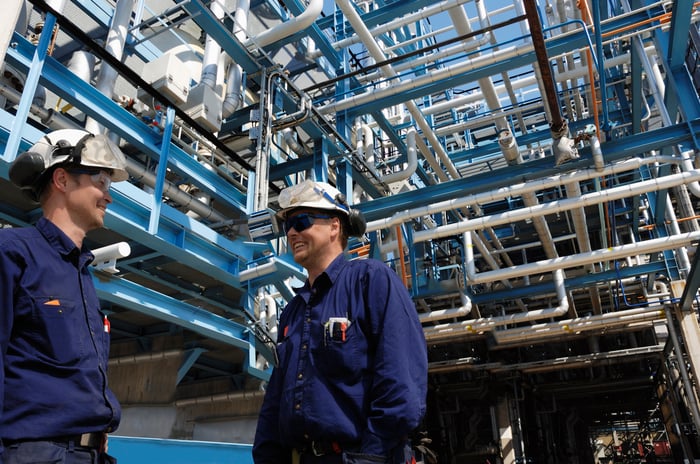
10 272
398 395
267 448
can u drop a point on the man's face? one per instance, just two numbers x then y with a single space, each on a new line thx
87 197
309 234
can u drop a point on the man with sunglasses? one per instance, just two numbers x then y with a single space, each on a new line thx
55 405
351 381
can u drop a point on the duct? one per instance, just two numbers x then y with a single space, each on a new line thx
234 89
377 54
116 39
290 139
82 64
515 190
287 28
617 319
446 331
212 50
412 160
552 207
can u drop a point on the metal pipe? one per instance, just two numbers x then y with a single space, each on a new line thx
116 39
617 319
287 28
377 54
514 190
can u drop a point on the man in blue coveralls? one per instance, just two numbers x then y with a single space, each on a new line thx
55 405
352 376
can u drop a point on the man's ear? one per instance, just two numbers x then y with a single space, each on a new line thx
59 179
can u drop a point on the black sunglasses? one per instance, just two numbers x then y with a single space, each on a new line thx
302 221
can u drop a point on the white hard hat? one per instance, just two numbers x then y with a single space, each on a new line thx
310 194
67 146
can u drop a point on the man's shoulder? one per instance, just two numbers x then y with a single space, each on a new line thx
18 234
370 265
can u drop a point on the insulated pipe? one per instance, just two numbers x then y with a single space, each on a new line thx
515 190
293 143
234 79
377 54
82 64
461 22
12 8
271 306
116 39
583 240
258 271
617 319
140 174
555 206
412 160
445 331
648 246
441 314
287 28
400 22
212 50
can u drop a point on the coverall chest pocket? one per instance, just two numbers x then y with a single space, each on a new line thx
342 357
56 329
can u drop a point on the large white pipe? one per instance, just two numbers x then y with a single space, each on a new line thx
411 158
212 50
442 314
514 190
574 326
607 254
116 39
8 23
558 206
424 13
287 28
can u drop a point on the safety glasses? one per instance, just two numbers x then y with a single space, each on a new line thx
99 179
302 221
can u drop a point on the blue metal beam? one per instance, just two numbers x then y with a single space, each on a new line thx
178 235
143 300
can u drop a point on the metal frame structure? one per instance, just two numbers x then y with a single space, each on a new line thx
528 168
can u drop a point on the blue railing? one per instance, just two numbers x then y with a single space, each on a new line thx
134 450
